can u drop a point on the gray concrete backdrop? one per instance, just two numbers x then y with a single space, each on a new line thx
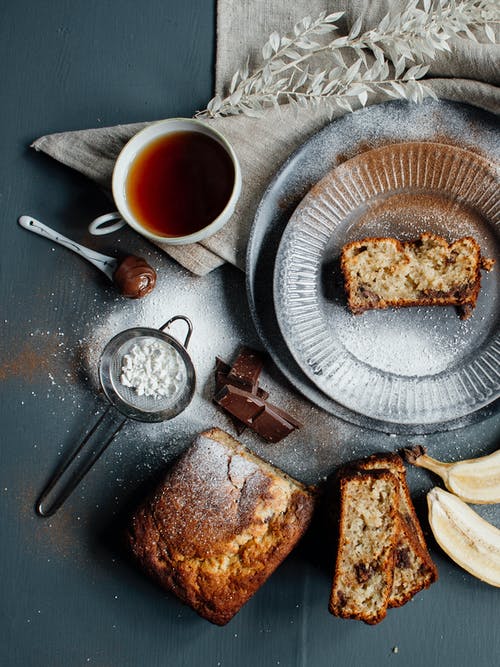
68 596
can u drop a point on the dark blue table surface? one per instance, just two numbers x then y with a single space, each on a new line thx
68 597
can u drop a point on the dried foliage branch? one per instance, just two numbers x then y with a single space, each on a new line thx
392 58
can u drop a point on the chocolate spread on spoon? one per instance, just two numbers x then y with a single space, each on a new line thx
134 277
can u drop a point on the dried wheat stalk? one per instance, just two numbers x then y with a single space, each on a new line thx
392 58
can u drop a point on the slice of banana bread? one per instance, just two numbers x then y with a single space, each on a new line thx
384 272
413 566
218 525
368 531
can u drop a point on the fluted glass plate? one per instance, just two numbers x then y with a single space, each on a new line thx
411 365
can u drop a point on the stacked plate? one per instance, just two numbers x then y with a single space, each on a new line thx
403 371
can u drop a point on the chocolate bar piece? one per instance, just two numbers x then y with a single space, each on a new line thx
221 366
220 382
287 416
221 379
265 419
270 425
221 371
240 403
238 393
246 370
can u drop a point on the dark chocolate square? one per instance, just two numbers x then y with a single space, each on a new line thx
270 425
246 369
240 403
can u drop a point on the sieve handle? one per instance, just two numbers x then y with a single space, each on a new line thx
189 326
67 477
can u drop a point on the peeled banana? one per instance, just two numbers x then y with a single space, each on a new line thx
474 480
467 538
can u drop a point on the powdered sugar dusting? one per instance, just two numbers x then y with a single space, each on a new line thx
410 344
216 305
214 464
240 469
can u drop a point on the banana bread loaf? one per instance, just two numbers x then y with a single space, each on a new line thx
219 525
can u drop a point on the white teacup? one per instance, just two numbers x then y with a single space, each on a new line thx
129 153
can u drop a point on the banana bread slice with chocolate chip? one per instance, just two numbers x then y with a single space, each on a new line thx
368 530
218 525
384 272
413 566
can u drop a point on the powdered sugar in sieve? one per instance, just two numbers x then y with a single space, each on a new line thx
153 368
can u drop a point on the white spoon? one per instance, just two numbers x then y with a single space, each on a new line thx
107 265
133 276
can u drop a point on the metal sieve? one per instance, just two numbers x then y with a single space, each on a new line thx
129 404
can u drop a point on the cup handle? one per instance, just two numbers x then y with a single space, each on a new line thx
100 226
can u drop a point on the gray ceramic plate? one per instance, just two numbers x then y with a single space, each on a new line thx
418 365
369 128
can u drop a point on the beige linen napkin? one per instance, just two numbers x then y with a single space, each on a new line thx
471 73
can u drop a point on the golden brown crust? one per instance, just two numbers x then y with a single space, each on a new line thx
352 570
362 295
219 525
